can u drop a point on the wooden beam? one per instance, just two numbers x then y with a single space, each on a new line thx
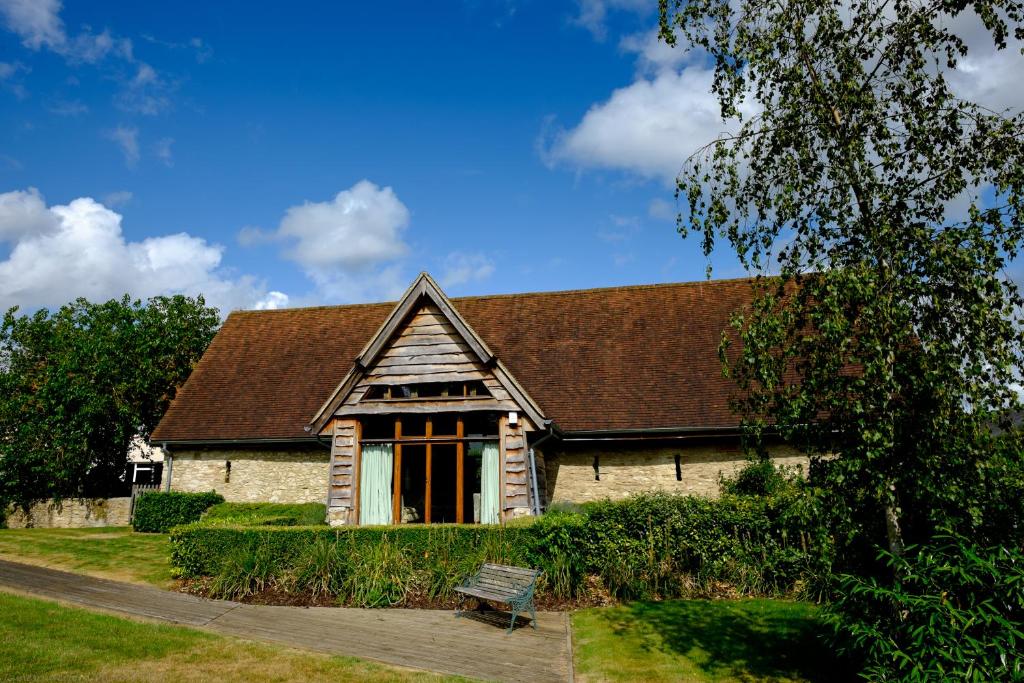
396 496
459 472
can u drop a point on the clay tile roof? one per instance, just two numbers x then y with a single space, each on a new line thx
622 358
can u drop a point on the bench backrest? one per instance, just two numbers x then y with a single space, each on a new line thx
509 578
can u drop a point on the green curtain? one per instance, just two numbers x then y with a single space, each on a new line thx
375 484
490 493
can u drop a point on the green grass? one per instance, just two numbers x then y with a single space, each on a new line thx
44 641
702 640
110 552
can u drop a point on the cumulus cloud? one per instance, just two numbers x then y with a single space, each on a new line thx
23 214
272 301
648 128
361 226
651 126
348 246
127 140
58 253
462 267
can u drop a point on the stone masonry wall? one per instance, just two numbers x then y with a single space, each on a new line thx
74 514
571 476
297 476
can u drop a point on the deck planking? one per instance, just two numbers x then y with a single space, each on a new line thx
433 640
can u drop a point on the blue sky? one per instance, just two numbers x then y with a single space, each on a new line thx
304 153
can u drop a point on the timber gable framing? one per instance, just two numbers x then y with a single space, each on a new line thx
424 338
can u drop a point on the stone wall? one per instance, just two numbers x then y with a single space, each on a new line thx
74 514
256 476
571 476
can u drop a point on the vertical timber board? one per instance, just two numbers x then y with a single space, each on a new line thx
357 465
516 469
343 445
502 434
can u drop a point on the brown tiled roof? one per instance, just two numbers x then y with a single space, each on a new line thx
621 358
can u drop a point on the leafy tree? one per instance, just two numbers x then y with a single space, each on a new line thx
892 339
77 385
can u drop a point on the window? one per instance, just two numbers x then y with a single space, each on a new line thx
426 391
438 474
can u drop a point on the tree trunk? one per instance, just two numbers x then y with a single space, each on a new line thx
892 523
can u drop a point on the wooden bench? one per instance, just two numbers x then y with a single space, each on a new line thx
499 583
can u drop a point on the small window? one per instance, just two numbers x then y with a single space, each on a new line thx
414 425
445 424
481 424
426 390
378 427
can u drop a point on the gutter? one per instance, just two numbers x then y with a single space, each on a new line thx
657 433
243 442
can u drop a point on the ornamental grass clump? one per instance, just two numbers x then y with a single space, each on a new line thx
320 571
381 576
245 572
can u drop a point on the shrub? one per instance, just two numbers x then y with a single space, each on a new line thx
760 477
648 546
266 514
157 512
949 611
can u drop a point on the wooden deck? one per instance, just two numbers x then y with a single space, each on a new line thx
433 640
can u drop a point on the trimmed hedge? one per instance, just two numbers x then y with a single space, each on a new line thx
648 546
266 514
157 512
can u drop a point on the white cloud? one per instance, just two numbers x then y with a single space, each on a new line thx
986 75
24 214
36 21
593 14
360 227
648 128
67 108
8 69
162 150
39 25
127 139
59 253
251 235
661 210
461 268
272 301
347 246
653 54
119 198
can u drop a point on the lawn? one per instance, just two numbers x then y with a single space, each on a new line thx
702 640
110 552
44 641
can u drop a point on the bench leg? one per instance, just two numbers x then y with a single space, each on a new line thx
533 615
512 624
460 608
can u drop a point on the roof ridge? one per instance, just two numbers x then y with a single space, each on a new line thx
477 297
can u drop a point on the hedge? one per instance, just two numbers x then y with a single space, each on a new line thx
267 514
648 546
157 512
